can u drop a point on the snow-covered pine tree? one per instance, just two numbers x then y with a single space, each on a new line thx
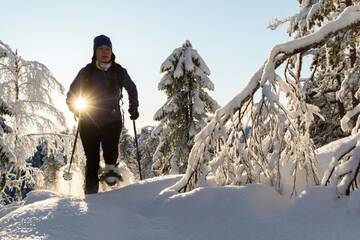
37 160
7 158
333 87
127 151
147 147
15 181
278 145
49 158
55 159
186 110
331 63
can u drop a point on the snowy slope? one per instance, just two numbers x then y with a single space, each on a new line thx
138 211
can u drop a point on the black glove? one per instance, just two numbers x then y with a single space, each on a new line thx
134 114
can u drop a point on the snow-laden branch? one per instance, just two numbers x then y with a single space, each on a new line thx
275 23
344 165
198 167
350 17
221 116
335 151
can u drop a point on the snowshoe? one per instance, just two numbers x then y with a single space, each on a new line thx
111 175
67 175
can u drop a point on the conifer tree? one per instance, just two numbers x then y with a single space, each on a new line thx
7 158
333 87
186 110
147 147
127 151
281 142
330 86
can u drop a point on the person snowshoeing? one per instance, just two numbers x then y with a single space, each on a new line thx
99 85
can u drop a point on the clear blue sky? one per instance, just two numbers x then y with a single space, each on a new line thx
230 35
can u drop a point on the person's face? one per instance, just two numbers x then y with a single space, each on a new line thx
103 54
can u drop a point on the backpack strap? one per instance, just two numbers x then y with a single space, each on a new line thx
87 76
120 76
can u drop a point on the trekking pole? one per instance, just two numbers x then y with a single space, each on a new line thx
80 105
137 151
68 175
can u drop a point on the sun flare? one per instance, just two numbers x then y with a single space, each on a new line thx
80 104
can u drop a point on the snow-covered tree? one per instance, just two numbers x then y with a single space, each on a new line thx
331 63
186 110
49 158
38 158
278 146
333 86
52 165
147 147
15 181
127 151
28 86
7 158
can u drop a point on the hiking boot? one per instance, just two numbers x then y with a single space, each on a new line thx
111 175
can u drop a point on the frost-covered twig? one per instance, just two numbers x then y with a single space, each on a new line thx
198 167
349 18
275 23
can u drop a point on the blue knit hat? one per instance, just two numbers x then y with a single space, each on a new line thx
102 40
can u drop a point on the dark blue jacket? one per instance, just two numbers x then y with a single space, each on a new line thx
102 92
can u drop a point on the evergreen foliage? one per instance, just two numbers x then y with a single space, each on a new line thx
147 147
127 152
286 113
186 110
7 158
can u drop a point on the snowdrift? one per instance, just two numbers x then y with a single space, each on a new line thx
139 211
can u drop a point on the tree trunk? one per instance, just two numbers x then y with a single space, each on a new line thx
17 98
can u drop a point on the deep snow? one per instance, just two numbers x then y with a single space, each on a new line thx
138 211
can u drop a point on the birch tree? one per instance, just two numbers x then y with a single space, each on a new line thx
28 88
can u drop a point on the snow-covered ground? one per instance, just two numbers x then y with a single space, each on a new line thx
139 211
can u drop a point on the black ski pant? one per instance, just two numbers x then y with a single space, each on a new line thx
92 137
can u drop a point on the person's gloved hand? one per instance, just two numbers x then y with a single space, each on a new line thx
134 114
